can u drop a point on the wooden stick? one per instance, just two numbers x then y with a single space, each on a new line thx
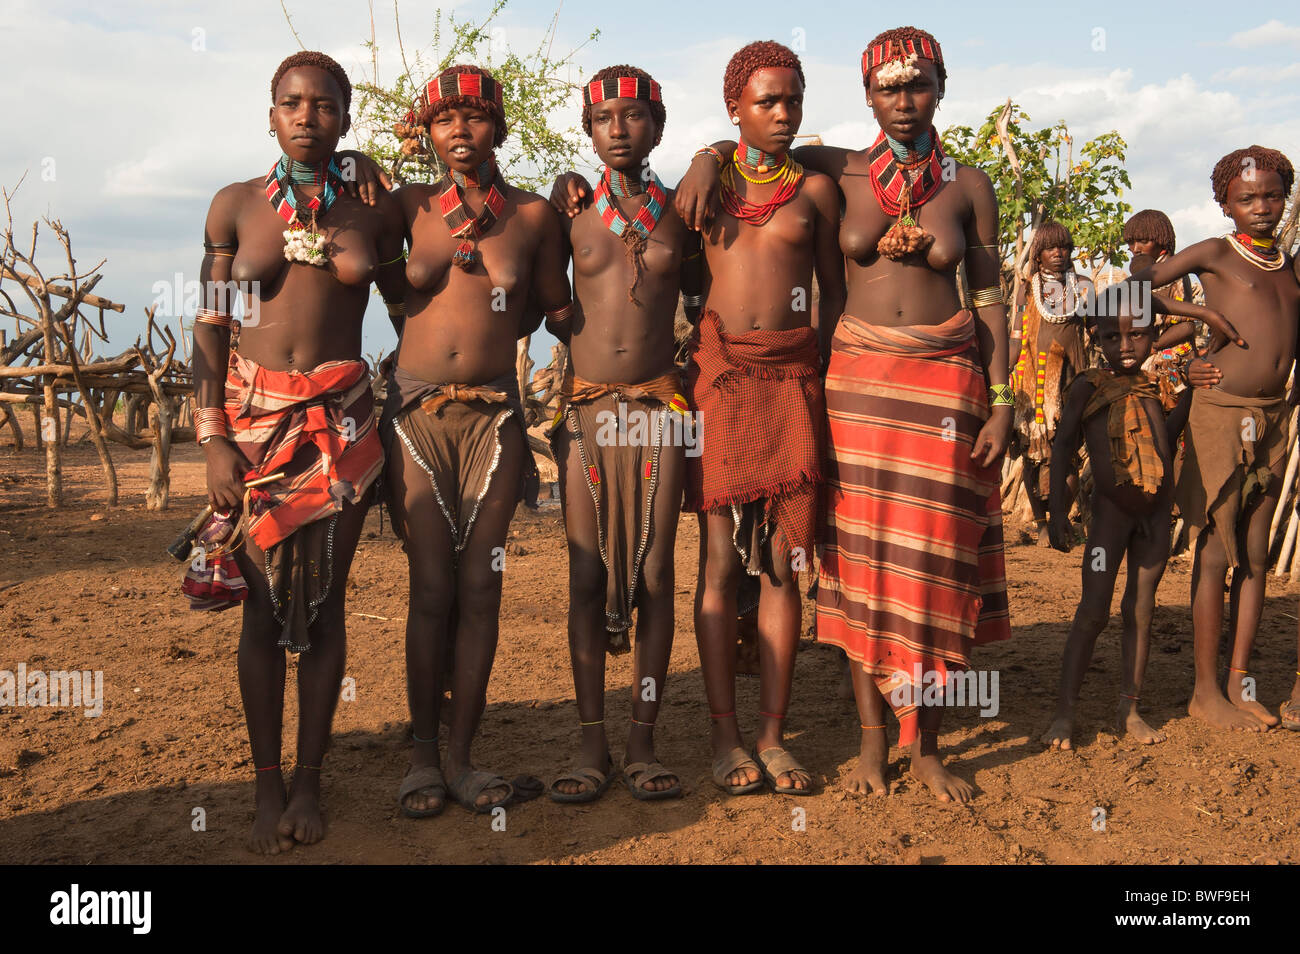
1284 558
62 291
1288 480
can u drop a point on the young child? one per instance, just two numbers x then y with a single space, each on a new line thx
1235 447
1120 414
622 491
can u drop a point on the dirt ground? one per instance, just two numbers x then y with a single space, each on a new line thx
90 587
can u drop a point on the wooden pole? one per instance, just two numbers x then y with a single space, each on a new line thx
92 422
49 424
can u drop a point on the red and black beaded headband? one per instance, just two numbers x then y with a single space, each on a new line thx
621 87
478 85
874 56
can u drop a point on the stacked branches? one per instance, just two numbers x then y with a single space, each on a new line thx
50 366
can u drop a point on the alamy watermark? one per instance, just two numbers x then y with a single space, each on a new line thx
634 427
76 689
932 688
175 297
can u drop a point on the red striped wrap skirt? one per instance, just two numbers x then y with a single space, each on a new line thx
912 572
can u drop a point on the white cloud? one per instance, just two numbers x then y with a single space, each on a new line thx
1175 130
1254 74
146 130
1272 33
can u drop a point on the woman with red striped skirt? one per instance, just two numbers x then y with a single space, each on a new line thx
912 568
919 409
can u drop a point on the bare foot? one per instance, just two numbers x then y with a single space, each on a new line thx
263 839
1212 707
946 786
873 762
302 820
1044 539
1234 692
1134 726
1058 733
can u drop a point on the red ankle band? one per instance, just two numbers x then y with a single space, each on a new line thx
771 715
270 767
722 715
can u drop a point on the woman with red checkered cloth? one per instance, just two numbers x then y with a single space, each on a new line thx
919 413
289 406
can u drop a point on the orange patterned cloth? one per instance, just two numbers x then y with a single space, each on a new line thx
761 413
318 428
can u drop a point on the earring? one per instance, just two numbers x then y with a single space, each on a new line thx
735 120
270 132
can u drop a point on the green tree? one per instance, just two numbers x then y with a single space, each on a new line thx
1037 178
533 84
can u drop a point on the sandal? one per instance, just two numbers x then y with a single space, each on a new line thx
471 783
417 778
595 780
724 765
527 787
636 774
1289 712
780 764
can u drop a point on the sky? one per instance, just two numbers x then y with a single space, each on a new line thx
128 116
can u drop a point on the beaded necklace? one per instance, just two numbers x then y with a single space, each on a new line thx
303 243
1246 247
1071 289
478 178
790 175
646 218
889 182
452 205
756 158
918 150
902 183
623 185
636 232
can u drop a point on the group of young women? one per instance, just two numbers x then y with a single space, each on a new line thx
905 473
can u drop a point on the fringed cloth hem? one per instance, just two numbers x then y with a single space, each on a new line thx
760 410
453 433
621 457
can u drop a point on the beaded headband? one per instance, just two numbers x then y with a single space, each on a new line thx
621 87
881 53
478 85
